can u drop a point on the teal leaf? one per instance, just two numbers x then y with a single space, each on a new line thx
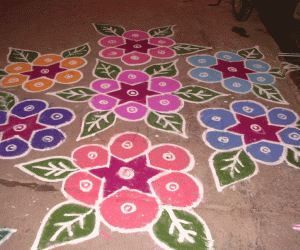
277 73
79 94
67 223
182 48
80 51
293 157
268 93
161 32
109 30
19 55
298 124
290 67
159 70
7 101
252 53
106 70
2 74
5 234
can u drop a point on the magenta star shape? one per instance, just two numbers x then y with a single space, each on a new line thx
133 174
232 69
20 127
44 71
255 129
134 93
138 46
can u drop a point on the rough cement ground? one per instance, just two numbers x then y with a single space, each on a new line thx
254 214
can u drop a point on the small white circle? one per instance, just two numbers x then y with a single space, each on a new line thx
132 110
48 60
265 150
164 102
85 185
161 52
216 118
294 136
48 138
19 127
29 108
68 76
256 127
127 144
132 92
282 116
103 102
135 35
38 84
203 74
92 155
248 109
18 68
56 116
137 46
113 53
261 79
169 156
232 69
258 66
126 173
135 58
236 84
45 71
132 76
227 57
202 61
11 147
162 84
73 62
172 186
161 42
128 208
13 80
112 41
223 139
105 85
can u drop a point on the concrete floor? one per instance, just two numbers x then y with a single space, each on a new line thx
253 214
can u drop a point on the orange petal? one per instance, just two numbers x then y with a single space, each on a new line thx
71 63
68 76
47 60
18 68
13 80
38 85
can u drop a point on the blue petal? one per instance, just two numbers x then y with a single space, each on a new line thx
257 65
56 117
217 118
202 61
265 151
290 136
248 108
237 85
282 116
47 139
230 57
261 78
28 108
224 140
206 74
3 117
13 148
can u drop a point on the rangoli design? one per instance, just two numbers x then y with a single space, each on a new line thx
37 72
131 95
5 234
240 72
137 47
246 134
130 186
30 124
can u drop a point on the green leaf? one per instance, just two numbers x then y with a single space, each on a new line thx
293 157
75 94
95 122
298 124
7 101
290 67
231 167
179 229
182 48
19 55
161 32
277 73
268 92
5 234
252 53
106 70
2 74
109 30
80 51
67 223
49 169
174 123
196 94
158 70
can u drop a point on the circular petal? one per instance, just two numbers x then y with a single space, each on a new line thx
230 57
131 111
223 140
237 85
136 35
128 145
162 52
206 75
257 65
73 62
161 41
169 157
47 139
18 68
261 78
281 116
266 152
164 85
57 117
13 80
13 148
83 187
47 60
3 117
291 136
37 85
202 61
136 58
90 156
104 86
248 108
177 189
69 76
133 77
28 108
165 103
103 102
217 118
111 53
111 41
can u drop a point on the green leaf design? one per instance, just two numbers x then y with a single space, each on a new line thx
19 55
106 70
179 229
293 157
80 51
49 169
109 30
2 74
95 122
231 167
277 73
182 48
166 69
75 94
268 92
5 234
7 101
196 94
67 223
174 123
298 124
161 32
252 53
290 67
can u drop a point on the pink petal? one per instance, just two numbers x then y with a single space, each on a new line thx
136 58
162 52
136 35
161 41
111 41
111 53
133 77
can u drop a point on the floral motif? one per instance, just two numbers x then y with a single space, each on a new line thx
249 132
37 72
